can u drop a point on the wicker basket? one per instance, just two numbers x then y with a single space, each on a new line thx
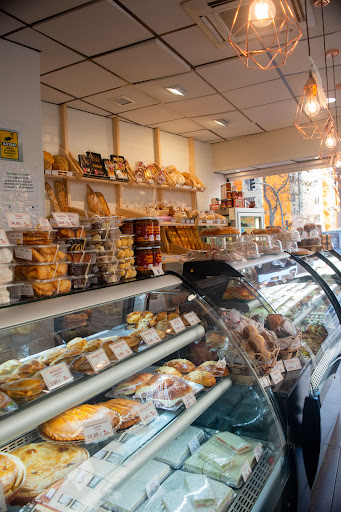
261 366
290 346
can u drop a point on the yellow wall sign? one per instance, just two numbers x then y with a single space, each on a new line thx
9 145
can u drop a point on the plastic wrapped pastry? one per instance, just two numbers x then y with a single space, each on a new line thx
6 255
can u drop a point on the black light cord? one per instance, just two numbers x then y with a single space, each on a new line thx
306 24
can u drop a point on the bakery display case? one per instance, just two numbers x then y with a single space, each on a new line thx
125 398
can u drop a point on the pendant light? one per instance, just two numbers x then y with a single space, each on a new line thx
262 31
335 158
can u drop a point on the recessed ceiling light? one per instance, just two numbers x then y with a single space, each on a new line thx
331 100
177 90
221 122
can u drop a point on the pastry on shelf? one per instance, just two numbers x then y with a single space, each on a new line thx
202 377
169 371
23 388
29 368
9 366
164 390
67 357
129 411
12 475
51 355
132 384
182 365
213 369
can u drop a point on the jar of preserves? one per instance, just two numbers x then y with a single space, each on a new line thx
229 203
128 227
144 231
157 257
223 203
156 230
144 260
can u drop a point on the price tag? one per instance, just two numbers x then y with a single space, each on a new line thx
56 376
54 172
295 344
44 223
147 413
194 444
276 376
202 189
3 506
280 366
27 290
152 486
66 220
246 470
23 253
177 324
258 451
158 271
189 400
265 381
221 364
150 336
292 364
121 349
3 238
98 360
19 220
183 221
192 318
15 238
95 431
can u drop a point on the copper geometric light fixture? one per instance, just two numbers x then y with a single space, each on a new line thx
264 33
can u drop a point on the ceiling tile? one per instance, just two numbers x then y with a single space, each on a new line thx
160 15
193 84
178 126
151 115
203 135
52 96
144 61
212 104
232 74
196 47
274 115
239 125
104 99
82 79
82 105
35 10
258 94
7 24
94 29
296 82
52 56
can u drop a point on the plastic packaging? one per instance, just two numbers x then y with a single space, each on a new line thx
217 454
248 249
177 451
7 272
40 253
6 254
228 255
10 293
32 236
77 232
7 404
41 271
46 288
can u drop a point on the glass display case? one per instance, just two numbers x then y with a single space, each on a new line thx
125 399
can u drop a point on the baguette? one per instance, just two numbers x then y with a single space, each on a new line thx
103 203
52 198
61 196
93 201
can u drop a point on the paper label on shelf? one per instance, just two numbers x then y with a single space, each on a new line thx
98 360
19 220
194 444
95 431
202 189
258 451
24 253
246 470
221 364
295 344
177 324
189 400
152 486
3 238
276 376
48 171
56 376
150 336
27 290
188 221
183 221
54 172
280 366
44 223
15 238
147 412
158 271
192 318
121 349
3 506
66 220
292 364
265 381
178 186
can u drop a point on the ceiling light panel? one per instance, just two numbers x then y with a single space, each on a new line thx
239 125
222 122
176 90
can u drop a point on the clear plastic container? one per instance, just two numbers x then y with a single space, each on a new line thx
6 254
80 269
10 293
46 288
247 248
31 236
200 255
7 272
87 256
40 271
263 242
40 253
289 235
124 241
77 232
109 277
228 255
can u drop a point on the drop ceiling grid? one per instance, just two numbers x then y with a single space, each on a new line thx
156 24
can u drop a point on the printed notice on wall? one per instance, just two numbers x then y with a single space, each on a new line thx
18 193
10 145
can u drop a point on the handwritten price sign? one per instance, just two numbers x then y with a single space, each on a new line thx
44 223
95 431
147 413
177 324
192 318
158 271
258 451
66 220
276 376
150 337
56 376
246 470
292 364
19 220
189 400
120 349
194 444
152 486
279 366
98 360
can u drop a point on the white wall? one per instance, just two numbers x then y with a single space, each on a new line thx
203 169
20 110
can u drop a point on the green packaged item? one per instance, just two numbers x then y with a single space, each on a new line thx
200 490
233 442
217 454
176 501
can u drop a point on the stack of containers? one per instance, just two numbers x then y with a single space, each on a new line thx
10 292
146 231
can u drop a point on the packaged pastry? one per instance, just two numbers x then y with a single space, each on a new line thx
131 385
217 454
182 365
67 357
129 411
214 369
50 355
10 293
202 377
169 371
166 391
7 405
40 271
7 272
233 442
29 368
40 254
45 464
79 232
6 254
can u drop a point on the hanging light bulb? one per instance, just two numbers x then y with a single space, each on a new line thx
312 106
262 13
331 140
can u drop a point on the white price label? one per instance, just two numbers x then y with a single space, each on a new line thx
121 349
54 172
96 431
194 444
3 238
183 221
56 376
192 318
295 344
177 324
221 364
246 470
66 220
147 413
265 381
280 366
23 253
158 271
3 506
150 336
27 290
292 364
19 220
98 360
258 451
189 400
44 223
152 486
276 376
15 238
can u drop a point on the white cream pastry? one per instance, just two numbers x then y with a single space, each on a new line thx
6 255
6 274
